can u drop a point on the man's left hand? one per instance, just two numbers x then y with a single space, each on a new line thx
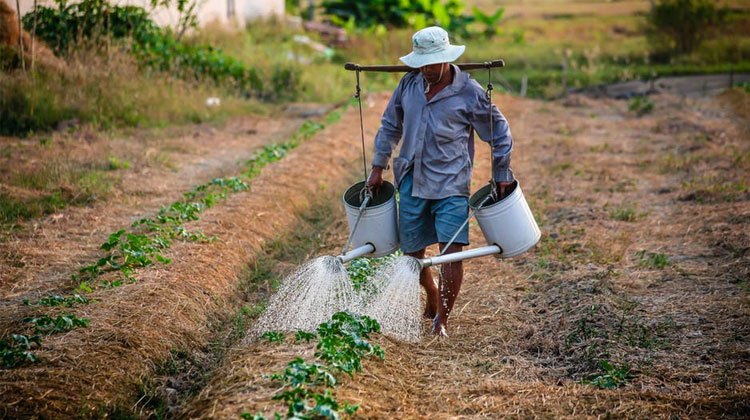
502 187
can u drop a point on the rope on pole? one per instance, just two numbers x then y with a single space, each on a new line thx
358 95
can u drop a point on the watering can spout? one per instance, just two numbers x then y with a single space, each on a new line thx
365 249
460 256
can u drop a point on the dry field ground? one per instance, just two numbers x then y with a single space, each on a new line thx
644 263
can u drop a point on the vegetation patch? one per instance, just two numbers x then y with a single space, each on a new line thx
143 246
307 387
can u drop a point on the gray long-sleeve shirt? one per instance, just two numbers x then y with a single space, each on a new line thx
438 135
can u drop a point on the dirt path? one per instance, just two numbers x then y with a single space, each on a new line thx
640 279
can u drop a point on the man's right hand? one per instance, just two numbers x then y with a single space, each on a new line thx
375 180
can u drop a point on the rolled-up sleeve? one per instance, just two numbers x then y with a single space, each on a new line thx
391 128
499 137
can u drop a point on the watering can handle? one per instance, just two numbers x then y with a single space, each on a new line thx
367 196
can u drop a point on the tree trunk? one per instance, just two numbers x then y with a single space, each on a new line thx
33 35
20 35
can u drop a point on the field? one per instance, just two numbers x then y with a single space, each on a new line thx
134 259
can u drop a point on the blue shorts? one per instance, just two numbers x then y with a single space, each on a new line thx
423 222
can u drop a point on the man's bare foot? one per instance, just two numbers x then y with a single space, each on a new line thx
439 327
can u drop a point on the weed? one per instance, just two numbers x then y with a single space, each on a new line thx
641 105
652 259
304 336
342 343
610 376
57 300
273 336
45 324
361 270
624 213
114 163
18 350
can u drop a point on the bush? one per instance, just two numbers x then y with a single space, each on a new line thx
24 109
684 24
414 14
92 22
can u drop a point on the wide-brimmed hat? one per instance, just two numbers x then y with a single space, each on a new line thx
431 46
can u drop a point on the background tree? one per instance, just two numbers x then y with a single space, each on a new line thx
684 24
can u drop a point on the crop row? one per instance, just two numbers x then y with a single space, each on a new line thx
141 245
307 386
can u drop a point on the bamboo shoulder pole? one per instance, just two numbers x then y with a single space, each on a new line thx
396 69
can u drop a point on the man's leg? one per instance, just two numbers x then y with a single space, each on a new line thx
425 279
450 284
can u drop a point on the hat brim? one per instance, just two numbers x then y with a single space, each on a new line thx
450 54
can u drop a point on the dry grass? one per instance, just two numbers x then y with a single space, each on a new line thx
529 334
135 326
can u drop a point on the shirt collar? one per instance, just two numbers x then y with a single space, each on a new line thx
459 81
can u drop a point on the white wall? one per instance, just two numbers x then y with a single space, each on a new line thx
207 10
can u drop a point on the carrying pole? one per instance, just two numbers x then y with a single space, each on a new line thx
396 69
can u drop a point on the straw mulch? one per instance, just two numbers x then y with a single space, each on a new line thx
528 335
39 257
94 370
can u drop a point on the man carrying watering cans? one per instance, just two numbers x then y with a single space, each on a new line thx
435 111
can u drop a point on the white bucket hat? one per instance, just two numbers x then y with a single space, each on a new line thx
431 46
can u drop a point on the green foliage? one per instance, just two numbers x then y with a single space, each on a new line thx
45 324
24 110
274 152
684 24
641 105
361 270
18 350
304 336
273 336
126 251
58 300
68 24
491 22
114 163
342 344
652 259
624 213
307 386
610 376
413 14
96 21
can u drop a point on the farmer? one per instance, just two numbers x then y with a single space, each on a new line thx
435 110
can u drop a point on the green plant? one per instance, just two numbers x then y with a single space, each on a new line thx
57 300
624 213
361 270
304 336
491 22
610 376
448 14
641 105
652 259
45 324
306 390
684 24
18 350
96 21
341 341
273 336
114 163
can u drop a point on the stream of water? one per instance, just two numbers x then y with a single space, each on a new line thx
321 287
